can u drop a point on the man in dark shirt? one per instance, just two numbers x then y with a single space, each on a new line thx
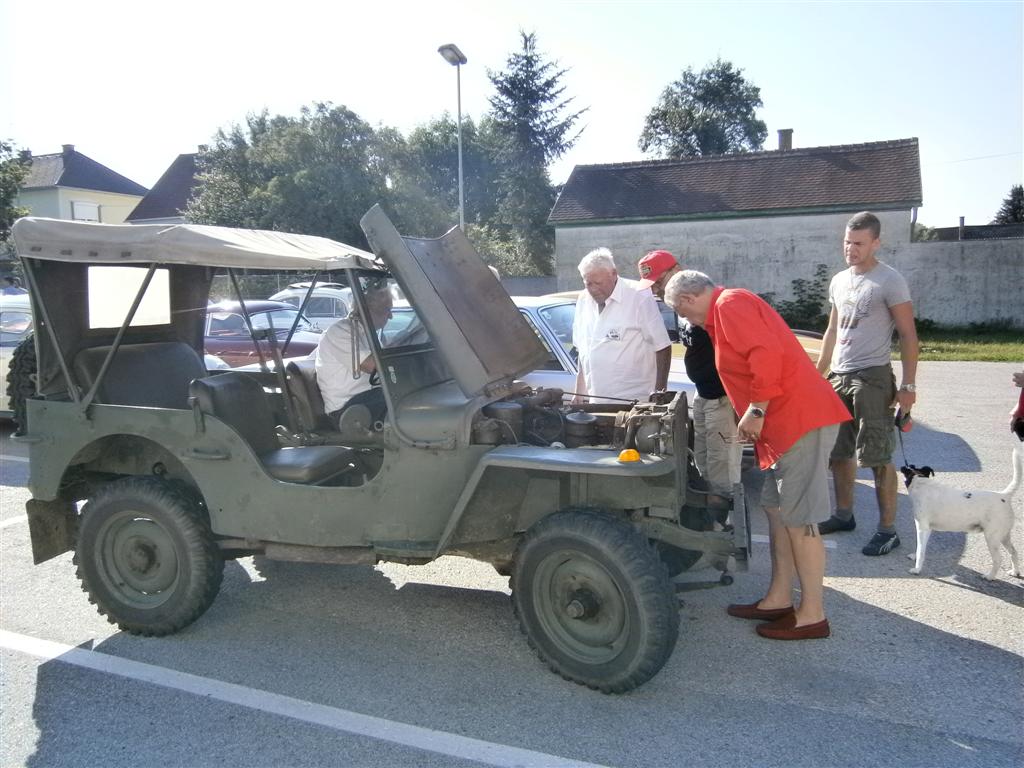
716 449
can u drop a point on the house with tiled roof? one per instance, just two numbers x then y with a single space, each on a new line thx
71 185
755 220
166 201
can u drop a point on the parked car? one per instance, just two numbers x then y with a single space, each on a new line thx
227 335
155 472
551 318
329 302
15 327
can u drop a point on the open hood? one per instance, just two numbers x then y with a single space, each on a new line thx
472 321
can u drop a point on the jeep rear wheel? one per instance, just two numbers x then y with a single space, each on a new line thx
146 556
594 600
21 381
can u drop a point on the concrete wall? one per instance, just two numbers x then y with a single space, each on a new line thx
761 254
951 283
972 281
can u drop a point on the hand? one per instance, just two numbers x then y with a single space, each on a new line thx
750 426
905 400
1018 379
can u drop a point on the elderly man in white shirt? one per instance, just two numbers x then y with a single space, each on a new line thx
624 349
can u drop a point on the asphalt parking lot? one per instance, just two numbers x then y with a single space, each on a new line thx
303 665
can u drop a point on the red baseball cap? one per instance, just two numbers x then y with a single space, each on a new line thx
654 265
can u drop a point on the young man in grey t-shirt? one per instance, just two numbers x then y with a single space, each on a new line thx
869 300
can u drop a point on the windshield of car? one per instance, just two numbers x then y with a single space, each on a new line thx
14 326
280 319
559 318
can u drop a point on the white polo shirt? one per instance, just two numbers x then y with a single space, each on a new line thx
334 367
617 346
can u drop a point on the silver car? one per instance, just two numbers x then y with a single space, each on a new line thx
551 318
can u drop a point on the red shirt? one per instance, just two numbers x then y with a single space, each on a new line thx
759 359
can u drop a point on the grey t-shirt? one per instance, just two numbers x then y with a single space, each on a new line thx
863 338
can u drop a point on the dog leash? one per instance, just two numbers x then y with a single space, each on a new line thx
902 421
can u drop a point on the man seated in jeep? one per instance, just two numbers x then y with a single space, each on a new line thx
345 368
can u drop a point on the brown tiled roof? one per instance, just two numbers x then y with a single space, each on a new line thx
883 174
73 169
170 194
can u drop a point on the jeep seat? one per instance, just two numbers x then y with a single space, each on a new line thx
153 375
306 396
240 402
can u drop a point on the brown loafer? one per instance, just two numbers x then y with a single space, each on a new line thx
786 629
751 611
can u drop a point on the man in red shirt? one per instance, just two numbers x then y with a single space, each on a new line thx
792 415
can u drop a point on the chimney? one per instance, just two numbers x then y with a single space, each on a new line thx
67 149
785 139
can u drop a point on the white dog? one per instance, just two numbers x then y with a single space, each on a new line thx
939 507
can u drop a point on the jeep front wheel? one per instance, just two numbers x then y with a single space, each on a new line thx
146 556
594 600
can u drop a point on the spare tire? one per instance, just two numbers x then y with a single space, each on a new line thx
21 382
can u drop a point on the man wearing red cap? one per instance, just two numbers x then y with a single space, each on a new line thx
716 451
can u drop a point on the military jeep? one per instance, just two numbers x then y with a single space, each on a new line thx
154 470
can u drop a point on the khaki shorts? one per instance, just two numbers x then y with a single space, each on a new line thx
868 395
798 482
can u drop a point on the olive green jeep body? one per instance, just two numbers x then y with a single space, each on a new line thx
180 468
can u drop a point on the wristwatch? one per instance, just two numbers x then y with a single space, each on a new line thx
908 388
757 413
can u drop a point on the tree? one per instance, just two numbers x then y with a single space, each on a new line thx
14 167
316 174
434 159
706 113
529 128
1012 209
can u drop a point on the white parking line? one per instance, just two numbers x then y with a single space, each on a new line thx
14 521
414 736
8 457
762 539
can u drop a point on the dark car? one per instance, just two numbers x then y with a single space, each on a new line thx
227 335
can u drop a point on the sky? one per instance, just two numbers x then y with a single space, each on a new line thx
134 84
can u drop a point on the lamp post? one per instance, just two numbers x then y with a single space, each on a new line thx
451 53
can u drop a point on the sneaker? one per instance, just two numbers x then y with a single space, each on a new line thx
834 524
881 544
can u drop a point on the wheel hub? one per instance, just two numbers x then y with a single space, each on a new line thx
583 604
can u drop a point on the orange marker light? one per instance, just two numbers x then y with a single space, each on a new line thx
629 455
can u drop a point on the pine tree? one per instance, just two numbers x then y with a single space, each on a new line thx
1012 209
529 129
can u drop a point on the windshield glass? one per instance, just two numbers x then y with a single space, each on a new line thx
559 318
410 360
280 319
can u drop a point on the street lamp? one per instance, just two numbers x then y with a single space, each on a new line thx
451 53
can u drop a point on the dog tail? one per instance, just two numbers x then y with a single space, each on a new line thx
1018 471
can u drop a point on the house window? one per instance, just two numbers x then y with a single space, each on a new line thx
84 211
112 291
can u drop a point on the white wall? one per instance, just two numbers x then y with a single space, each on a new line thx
55 202
957 283
761 254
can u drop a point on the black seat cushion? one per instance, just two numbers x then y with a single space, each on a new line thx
307 398
309 464
239 401
154 375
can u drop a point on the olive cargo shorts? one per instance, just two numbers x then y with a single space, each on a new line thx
868 395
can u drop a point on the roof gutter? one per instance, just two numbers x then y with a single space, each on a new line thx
757 213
